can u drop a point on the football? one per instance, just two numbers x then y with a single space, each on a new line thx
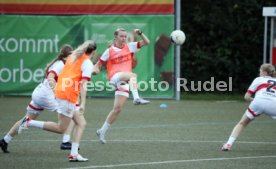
178 37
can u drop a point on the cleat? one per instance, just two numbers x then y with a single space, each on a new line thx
101 136
23 125
65 146
226 147
140 101
77 158
4 146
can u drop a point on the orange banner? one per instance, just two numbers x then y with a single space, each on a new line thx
87 7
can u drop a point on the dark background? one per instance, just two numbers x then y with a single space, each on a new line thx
223 38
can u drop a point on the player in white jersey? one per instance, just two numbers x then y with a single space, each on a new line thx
43 96
71 86
263 89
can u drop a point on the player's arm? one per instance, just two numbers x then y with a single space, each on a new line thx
51 80
250 93
248 96
97 67
86 68
83 90
145 40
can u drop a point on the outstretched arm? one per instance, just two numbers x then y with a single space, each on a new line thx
145 41
97 68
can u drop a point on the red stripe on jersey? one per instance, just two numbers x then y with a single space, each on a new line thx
86 78
55 73
250 92
138 45
69 9
251 112
102 61
262 86
35 108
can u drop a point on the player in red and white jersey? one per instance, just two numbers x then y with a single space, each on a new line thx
262 95
119 59
43 96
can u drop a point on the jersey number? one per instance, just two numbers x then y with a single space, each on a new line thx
272 85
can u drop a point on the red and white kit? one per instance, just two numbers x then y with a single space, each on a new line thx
264 89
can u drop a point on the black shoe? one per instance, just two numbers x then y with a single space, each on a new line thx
65 146
4 146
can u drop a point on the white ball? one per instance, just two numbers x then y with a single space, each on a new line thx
178 37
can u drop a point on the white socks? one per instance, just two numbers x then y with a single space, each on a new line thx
231 140
35 123
8 138
133 87
105 127
66 138
74 149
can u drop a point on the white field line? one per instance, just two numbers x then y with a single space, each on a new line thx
171 162
155 141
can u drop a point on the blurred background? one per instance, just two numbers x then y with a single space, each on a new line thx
223 39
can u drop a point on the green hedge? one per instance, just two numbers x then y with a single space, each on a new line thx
224 38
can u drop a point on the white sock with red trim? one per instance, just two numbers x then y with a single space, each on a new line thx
231 140
74 149
36 124
8 138
133 87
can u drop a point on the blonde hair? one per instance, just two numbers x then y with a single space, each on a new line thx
269 68
118 30
116 33
86 48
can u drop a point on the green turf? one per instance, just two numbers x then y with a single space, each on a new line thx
186 134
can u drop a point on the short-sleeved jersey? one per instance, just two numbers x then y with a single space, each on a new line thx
119 59
56 68
86 69
263 87
68 86
133 47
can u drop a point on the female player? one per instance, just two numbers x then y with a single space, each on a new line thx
264 101
43 95
118 59
72 83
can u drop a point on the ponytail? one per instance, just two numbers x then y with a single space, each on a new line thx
273 74
86 48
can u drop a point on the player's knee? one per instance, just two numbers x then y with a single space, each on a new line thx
242 123
133 75
117 109
82 124
62 129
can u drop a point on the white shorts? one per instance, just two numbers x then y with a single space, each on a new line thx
261 106
115 79
42 98
122 88
66 108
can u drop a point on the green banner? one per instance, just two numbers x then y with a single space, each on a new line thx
28 43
